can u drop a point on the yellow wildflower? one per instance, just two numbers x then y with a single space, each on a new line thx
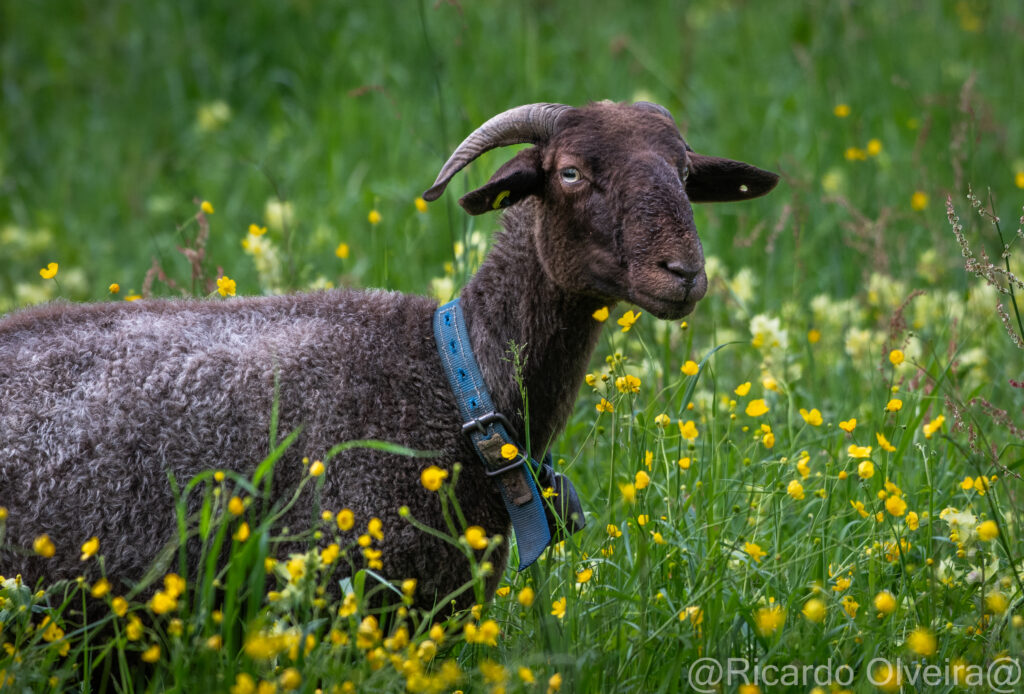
769 619
895 505
628 492
206 207
119 606
100 588
849 425
627 384
795 490
894 405
525 597
866 470
526 675
585 575
688 430
432 477
874 147
931 427
754 551
919 200
850 606
756 408
896 357
257 230
613 530
316 469
346 519
90 548
236 506
885 603
628 320
988 531
884 442
114 288
742 389
813 417
290 679
913 521
243 532
558 608
684 463
476 537
601 314
663 420
151 654
689 368
814 610
922 642
841 110
421 204
43 546
49 272
342 251
859 507
855 451
605 406
226 286
554 683
374 217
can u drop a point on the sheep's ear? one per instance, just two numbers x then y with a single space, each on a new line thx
713 179
521 176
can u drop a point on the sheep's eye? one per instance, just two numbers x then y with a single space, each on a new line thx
571 175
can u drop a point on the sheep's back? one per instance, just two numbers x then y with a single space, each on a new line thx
100 403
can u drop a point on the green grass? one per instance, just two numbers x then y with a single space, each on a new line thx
112 131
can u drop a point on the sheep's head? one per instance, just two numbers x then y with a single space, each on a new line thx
614 184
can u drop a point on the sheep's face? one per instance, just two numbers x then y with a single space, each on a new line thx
614 184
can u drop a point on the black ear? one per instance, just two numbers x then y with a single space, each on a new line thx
713 179
521 176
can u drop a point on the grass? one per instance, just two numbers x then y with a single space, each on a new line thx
774 543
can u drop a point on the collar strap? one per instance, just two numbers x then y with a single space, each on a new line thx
489 431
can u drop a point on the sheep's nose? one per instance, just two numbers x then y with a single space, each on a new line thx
685 272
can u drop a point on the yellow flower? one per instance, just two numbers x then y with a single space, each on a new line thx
605 406
855 154
628 319
316 469
49 272
642 480
225 286
885 603
842 583
100 588
90 548
421 204
558 608
585 575
988 531
43 546
342 251
244 684
236 506
526 675
119 605
688 430
376 528
795 490
814 610
813 417
850 606
346 519
206 207
627 384
525 596
996 602
894 405
756 408
769 619
114 288
742 389
613 530
919 200
1018 179
663 420
849 425
601 314
432 477
859 507
684 463
896 357
554 683
243 532
257 230
290 679
754 551
931 427
922 642
151 654
628 492
884 442
689 368
374 217
855 451
841 110
874 147
330 553
814 336
162 603
866 470
913 522
476 537
887 677
895 506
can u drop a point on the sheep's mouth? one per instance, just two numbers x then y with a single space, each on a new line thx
668 307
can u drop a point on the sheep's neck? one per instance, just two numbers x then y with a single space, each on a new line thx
512 301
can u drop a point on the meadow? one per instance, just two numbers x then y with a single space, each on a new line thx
810 484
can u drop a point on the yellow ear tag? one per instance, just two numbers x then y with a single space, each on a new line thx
500 199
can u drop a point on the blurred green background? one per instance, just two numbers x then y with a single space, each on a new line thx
118 116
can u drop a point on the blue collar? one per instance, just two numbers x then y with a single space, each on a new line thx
533 520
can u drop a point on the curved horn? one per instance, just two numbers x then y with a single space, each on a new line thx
531 123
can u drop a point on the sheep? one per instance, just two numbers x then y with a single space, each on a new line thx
101 403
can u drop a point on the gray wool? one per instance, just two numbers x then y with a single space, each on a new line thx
100 403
